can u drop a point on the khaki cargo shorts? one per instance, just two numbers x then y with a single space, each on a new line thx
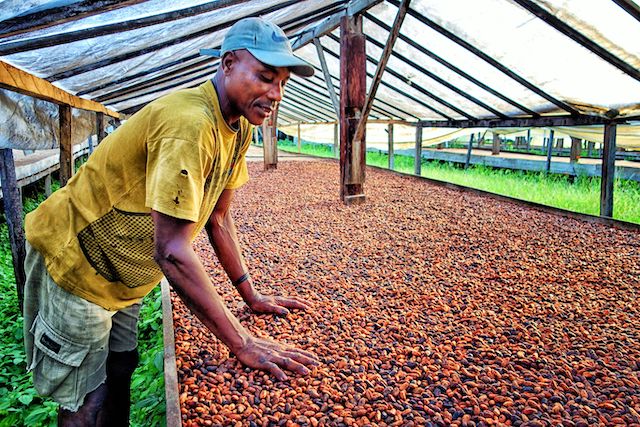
67 338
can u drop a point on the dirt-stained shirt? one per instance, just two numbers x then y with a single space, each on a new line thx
174 156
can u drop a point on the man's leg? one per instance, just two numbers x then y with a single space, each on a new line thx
121 362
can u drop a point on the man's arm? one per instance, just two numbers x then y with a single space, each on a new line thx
183 269
223 237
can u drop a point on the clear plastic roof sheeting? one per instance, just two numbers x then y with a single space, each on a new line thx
453 59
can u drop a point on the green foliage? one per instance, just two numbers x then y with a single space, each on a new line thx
579 194
20 404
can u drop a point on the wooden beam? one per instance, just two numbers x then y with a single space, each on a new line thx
353 89
579 38
628 5
66 12
172 396
13 214
390 154
469 148
270 141
549 150
327 77
608 170
16 80
576 149
354 7
417 162
546 121
66 150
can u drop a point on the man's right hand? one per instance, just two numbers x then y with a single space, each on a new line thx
272 356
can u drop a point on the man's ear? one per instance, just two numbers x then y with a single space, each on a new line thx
227 61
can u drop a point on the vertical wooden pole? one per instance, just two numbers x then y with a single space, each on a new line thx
66 150
336 140
590 145
352 100
47 185
549 151
528 139
576 149
270 142
100 127
390 153
608 170
299 140
469 148
495 147
417 163
13 213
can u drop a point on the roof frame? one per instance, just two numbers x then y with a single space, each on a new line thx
630 7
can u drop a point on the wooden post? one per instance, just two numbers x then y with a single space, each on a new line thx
495 148
390 154
417 163
100 127
576 149
528 139
608 170
66 150
353 78
590 146
299 140
469 148
270 141
336 140
47 185
549 151
13 213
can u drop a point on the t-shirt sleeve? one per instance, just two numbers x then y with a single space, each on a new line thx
176 171
239 172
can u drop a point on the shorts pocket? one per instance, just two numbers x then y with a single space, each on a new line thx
55 360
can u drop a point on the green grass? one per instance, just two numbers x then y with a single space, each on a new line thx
581 194
20 404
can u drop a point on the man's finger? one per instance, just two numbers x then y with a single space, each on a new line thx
293 303
276 371
292 365
303 357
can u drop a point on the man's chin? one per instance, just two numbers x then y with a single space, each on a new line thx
257 121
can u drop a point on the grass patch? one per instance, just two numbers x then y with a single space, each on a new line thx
580 194
20 404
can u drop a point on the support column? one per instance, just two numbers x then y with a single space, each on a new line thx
469 148
608 170
270 141
299 140
100 127
495 148
576 149
390 153
528 139
66 150
13 213
336 140
549 151
417 162
352 100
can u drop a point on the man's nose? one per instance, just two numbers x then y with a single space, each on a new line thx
276 92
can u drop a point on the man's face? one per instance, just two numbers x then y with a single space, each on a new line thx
254 89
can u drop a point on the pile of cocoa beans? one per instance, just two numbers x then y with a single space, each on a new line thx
432 307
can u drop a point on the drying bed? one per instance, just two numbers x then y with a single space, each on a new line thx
432 306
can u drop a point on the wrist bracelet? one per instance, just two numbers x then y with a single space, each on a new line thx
240 279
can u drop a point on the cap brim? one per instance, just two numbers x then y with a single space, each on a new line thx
210 52
276 59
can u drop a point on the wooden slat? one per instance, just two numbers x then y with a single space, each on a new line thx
172 399
608 170
16 80
548 121
67 12
549 150
13 214
632 8
270 141
417 161
327 77
390 154
66 150
469 148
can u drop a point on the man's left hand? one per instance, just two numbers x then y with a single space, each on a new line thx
268 304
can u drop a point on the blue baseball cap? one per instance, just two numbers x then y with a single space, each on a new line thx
265 41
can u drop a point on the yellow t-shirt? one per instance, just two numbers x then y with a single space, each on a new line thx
174 156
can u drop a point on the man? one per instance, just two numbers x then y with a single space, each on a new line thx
129 216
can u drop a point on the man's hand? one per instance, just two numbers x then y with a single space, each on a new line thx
272 356
267 304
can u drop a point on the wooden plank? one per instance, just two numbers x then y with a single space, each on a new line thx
630 7
549 151
270 141
608 170
469 148
100 133
380 69
354 7
576 149
417 162
352 98
327 77
336 140
66 153
16 80
390 154
495 147
548 121
173 415
60 13
13 214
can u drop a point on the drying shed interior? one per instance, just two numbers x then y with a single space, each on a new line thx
69 69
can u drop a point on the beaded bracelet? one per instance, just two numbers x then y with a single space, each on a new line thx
240 279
